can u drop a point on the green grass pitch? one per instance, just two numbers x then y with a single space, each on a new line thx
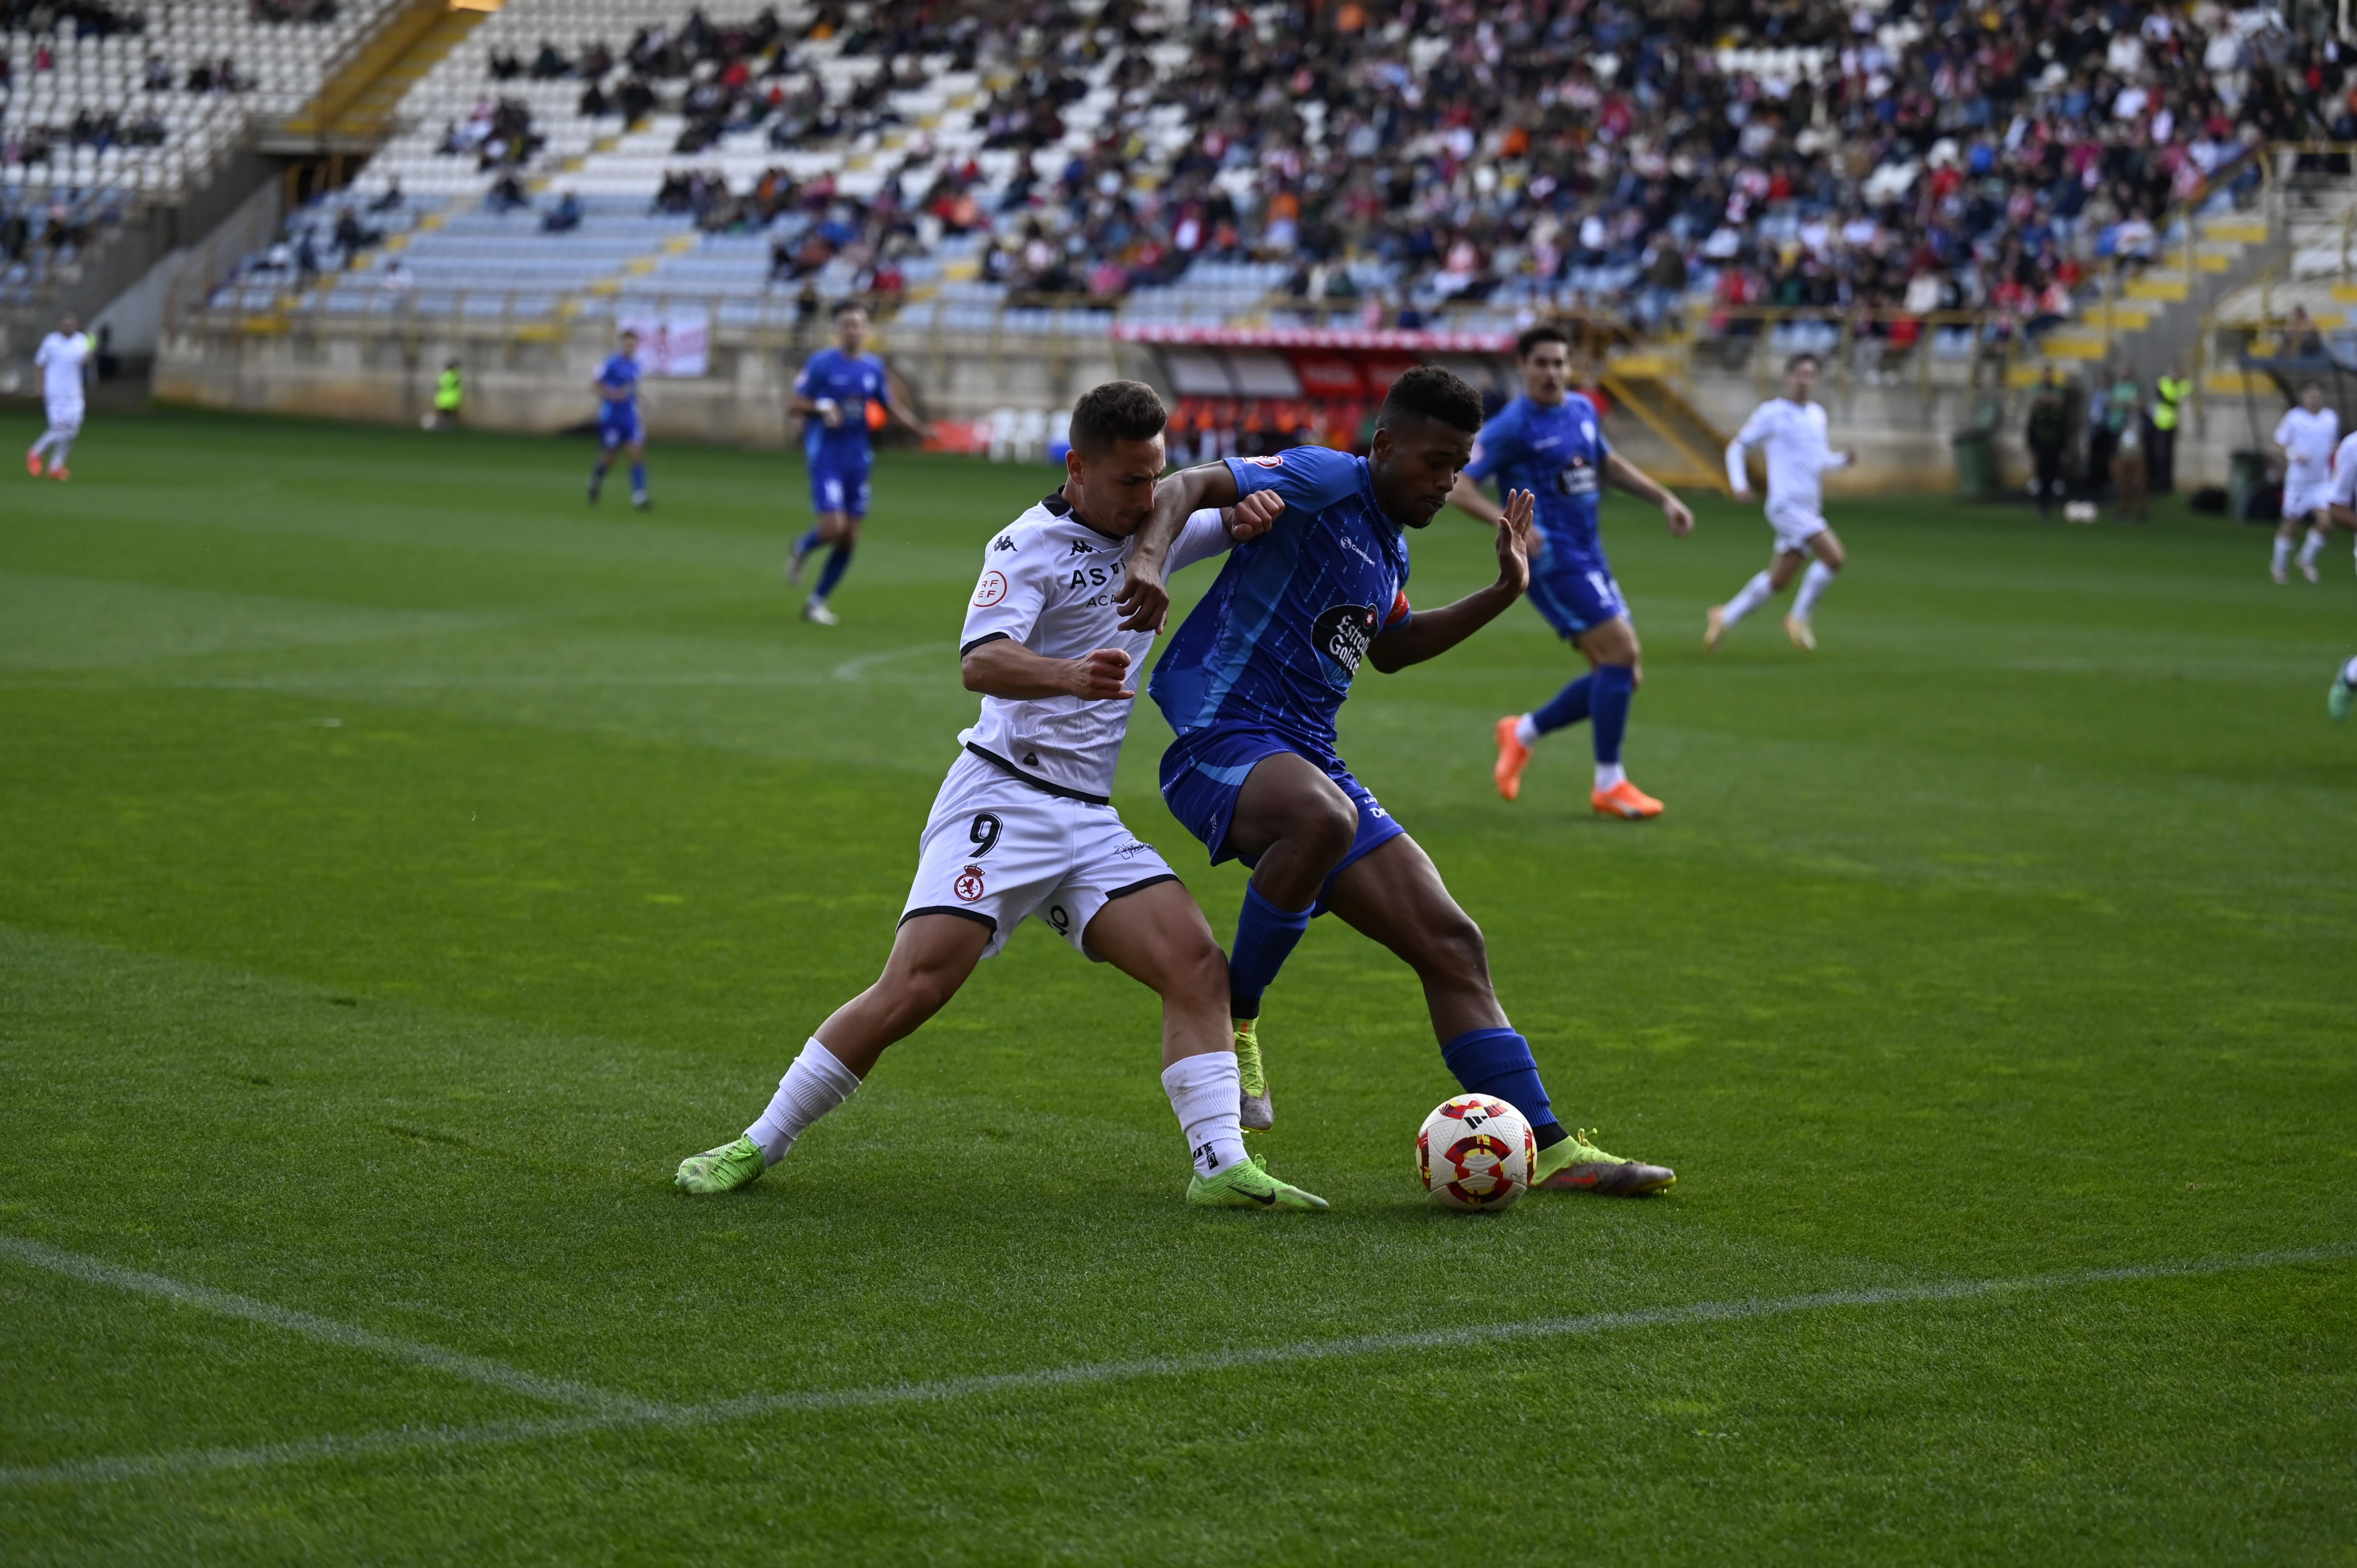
402 866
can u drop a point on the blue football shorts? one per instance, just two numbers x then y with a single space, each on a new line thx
839 487
1577 597
620 430
1204 771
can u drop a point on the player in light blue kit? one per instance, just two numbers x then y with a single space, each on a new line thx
833 395
1550 442
1253 682
618 425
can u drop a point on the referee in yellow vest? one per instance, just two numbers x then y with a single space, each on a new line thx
449 395
2168 394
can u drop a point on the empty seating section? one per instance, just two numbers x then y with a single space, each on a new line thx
144 111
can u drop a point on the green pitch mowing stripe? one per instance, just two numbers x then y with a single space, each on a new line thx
405 865
620 1413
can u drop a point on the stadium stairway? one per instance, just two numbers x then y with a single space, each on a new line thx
1690 447
355 108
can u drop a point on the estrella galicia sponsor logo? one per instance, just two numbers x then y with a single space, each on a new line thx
1576 478
1343 632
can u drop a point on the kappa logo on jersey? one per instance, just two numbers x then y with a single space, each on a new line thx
1082 547
968 887
990 590
1343 634
1004 542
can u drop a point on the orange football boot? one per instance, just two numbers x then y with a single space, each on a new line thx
60 475
1626 801
1512 756
33 463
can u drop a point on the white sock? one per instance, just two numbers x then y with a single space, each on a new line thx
2313 546
2349 673
2283 551
1203 1095
1813 583
1754 594
816 1084
1608 775
50 438
63 449
1526 730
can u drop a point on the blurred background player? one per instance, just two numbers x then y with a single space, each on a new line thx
1025 826
1550 442
2305 435
1793 429
833 395
1252 681
63 358
2344 688
618 425
449 396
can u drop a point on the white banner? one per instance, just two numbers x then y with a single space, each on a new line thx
672 342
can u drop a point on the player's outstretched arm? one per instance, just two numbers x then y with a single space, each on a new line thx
1465 497
1003 667
1428 634
1144 600
1627 476
1738 471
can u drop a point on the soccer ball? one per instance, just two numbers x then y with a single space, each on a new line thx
1475 1152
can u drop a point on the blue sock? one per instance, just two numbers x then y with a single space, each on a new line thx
838 561
1615 685
1266 936
1499 1062
810 541
1567 706
639 478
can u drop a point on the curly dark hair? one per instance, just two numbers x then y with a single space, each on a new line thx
1118 410
1429 391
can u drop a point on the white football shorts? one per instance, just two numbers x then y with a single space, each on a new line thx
2299 500
64 416
997 850
1794 523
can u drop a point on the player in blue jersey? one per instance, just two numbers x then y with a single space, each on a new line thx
618 425
833 395
1550 442
1252 681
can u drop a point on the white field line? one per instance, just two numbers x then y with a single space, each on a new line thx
327 1331
80 1472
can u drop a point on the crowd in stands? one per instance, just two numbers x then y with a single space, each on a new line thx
1890 162
495 134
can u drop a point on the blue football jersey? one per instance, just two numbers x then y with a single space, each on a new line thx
1278 637
831 373
1557 453
621 374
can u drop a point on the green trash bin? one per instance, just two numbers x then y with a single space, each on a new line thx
1977 471
2246 475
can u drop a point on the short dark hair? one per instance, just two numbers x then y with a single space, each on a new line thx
1118 410
1795 362
843 307
1429 391
1544 332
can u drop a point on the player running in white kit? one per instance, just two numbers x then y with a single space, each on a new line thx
1024 824
1792 428
61 357
2305 436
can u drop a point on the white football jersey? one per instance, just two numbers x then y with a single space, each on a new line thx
1794 435
60 359
2344 473
2308 437
1048 582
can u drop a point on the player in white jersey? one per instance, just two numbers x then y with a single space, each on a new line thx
2305 436
1793 429
61 358
1024 824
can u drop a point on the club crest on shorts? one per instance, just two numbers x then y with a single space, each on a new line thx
968 887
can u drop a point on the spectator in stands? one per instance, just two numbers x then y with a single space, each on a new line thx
505 66
594 102
160 74
353 236
549 64
392 198
507 194
563 218
395 280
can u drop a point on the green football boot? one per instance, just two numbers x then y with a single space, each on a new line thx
724 1169
2336 703
1577 1164
1252 1079
1248 1185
